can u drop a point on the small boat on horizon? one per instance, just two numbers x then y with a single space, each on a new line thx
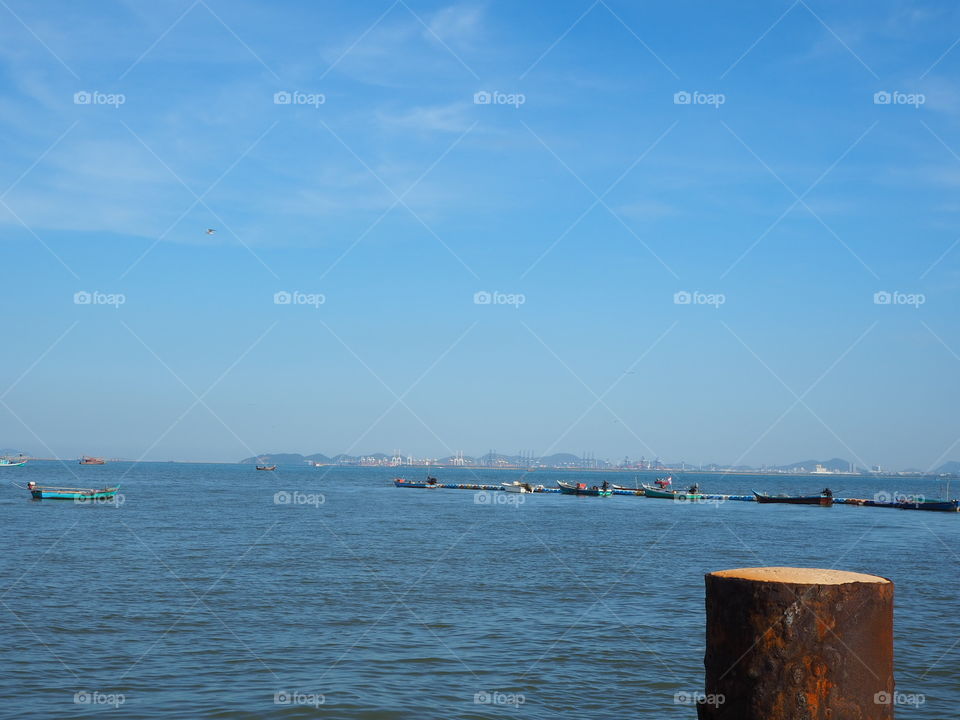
87 460
824 499
266 467
581 489
7 462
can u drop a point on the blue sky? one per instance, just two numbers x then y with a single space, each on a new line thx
782 198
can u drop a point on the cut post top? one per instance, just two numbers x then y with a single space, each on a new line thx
798 576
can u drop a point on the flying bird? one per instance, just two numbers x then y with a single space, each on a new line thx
211 231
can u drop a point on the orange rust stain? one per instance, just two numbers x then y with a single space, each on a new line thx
818 687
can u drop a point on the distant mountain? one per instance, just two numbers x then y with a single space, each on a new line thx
560 459
341 458
951 467
834 465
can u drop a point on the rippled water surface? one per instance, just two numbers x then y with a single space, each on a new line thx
202 596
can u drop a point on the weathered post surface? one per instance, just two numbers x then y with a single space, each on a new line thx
798 644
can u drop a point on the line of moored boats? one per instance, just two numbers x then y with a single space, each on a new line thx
662 488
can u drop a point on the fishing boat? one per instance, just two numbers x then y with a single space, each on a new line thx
7 462
403 482
87 460
582 489
47 492
824 499
933 505
520 487
266 467
692 494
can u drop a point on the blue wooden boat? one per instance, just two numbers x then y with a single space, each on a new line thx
7 462
582 489
933 505
46 492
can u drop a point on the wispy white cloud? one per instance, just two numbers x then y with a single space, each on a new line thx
460 25
407 51
452 118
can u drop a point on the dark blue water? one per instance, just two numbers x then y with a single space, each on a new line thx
202 596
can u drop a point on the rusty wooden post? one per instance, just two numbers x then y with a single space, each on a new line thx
798 644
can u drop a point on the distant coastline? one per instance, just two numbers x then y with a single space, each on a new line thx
288 460
563 462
